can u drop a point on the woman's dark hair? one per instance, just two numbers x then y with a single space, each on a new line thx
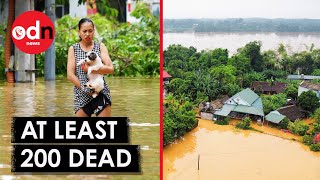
83 20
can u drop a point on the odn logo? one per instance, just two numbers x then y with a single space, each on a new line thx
33 32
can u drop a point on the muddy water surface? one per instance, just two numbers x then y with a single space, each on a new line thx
224 152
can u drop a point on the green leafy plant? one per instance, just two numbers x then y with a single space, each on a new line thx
244 124
315 147
307 139
284 123
133 48
298 127
224 121
179 118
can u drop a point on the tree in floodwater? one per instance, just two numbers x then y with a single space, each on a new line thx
179 118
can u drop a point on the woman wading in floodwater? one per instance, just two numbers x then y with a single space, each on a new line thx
85 105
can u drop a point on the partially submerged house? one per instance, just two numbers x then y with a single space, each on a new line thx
206 109
243 104
306 86
267 87
292 112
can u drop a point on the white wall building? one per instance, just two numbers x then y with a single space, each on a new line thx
306 86
154 6
77 10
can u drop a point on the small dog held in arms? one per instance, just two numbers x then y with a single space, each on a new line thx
95 83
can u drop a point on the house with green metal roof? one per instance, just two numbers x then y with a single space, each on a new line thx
292 112
243 104
275 117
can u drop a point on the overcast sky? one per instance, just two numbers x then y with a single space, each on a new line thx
178 9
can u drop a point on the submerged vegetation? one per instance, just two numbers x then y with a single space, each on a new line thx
179 118
244 124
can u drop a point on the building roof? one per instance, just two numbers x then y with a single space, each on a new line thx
304 77
275 117
311 86
278 87
245 101
246 95
292 112
226 109
218 103
166 74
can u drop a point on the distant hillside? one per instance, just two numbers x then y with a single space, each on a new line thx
242 25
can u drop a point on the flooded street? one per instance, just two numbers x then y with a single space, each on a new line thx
224 152
136 98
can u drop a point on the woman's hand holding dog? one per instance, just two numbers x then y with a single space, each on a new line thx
85 67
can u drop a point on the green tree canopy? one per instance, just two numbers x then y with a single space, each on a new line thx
308 101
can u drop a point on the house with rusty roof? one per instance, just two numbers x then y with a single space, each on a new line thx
267 87
244 103
306 86
207 109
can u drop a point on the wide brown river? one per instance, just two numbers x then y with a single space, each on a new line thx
135 98
222 152
296 42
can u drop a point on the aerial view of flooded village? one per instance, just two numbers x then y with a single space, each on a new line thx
241 89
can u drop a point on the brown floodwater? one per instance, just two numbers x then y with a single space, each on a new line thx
135 98
224 152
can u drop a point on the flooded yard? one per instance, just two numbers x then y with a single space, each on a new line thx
224 152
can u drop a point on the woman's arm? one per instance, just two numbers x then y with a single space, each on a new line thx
71 68
107 68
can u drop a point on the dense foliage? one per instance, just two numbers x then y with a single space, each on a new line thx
133 48
315 147
179 118
209 74
242 25
292 91
298 127
307 140
284 123
273 102
316 123
2 61
224 121
244 124
308 101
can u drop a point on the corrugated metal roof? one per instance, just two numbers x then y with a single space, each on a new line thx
248 110
258 106
260 86
275 117
226 109
247 95
311 86
306 77
255 104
